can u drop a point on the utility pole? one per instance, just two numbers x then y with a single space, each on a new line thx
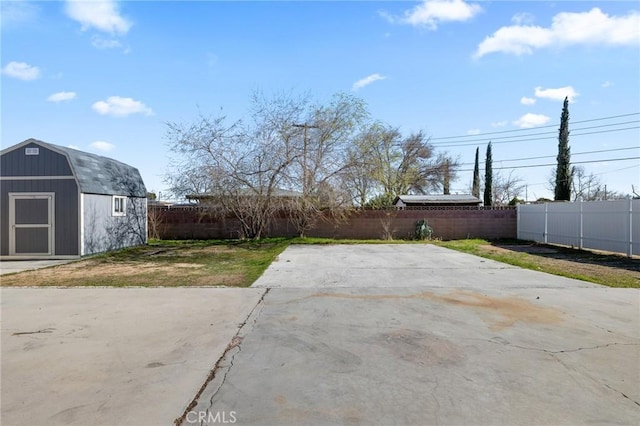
305 177
445 184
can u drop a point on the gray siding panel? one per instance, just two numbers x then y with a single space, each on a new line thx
66 211
46 163
104 232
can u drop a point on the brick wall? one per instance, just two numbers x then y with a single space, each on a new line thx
447 224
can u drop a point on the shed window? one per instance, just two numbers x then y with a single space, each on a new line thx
119 205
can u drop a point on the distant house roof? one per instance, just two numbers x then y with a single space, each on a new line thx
277 192
424 200
97 174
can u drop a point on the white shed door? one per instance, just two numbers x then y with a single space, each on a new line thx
31 222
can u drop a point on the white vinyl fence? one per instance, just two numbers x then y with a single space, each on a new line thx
599 225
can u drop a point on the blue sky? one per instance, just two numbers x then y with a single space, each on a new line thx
105 77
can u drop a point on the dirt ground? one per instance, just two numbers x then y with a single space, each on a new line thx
579 262
149 266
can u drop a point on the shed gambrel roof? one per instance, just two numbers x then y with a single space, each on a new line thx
96 174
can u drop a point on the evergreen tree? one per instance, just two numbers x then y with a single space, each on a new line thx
488 178
563 170
475 191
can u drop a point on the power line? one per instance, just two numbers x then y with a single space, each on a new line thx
555 164
539 127
616 170
595 174
543 133
553 156
538 139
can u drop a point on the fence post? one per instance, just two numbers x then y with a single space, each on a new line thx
518 221
546 209
630 222
580 245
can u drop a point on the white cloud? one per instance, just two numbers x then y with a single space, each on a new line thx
121 107
21 70
430 13
567 28
62 96
102 146
556 94
530 120
73 147
496 124
527 101
103 15
473 132
607 84
516 40
366 81
522 18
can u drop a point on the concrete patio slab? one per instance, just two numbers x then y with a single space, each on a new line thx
13 266
400 266
106 356
433 356
362 334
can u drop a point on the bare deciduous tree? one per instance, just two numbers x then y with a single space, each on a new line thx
289 157
586 186
506 188
239 166
322 159
156 225
310 161
395 165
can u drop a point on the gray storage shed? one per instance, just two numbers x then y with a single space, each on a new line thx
58 202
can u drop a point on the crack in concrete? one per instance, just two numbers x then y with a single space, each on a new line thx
590 377
623 394
231 357
564 351
235 342
44 330
608 331
569 368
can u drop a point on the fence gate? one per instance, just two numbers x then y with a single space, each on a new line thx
31 224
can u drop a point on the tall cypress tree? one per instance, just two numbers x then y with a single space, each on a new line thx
488 178
475 191
563 170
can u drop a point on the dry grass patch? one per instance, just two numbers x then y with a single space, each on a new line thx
170 264
608 269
